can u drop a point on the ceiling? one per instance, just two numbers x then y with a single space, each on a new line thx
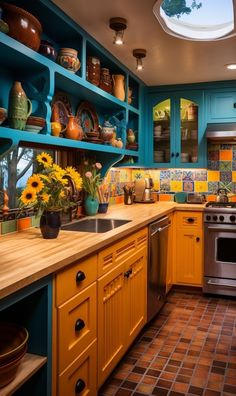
169 60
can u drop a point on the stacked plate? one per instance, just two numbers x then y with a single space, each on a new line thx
184 157
35 124
159 156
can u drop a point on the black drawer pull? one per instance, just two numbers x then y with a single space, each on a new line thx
190 220
80 276
79 386
128 273
79 324
177 155
198 239
172 155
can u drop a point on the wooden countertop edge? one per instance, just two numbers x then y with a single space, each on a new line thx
21 275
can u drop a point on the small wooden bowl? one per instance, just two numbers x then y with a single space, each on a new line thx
13 339
8 370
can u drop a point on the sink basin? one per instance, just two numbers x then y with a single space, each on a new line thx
94 225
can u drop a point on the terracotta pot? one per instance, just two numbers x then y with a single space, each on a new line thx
68 58
119 86
74 130
23 26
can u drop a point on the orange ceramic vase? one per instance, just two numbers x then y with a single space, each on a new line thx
74 130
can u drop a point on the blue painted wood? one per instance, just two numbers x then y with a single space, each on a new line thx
221 105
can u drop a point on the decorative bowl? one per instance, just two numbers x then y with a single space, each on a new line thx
37 121
33 128
3 115
67 57
13 339
9 369
23 26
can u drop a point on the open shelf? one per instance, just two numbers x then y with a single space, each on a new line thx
29 365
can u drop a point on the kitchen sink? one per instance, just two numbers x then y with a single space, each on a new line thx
94 225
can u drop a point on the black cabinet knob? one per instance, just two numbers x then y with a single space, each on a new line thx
79 386
128 273
177 155
80 276
172 155
197 239
79 324
190 220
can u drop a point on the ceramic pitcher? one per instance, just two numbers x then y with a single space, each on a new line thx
119 86
19 107
73 129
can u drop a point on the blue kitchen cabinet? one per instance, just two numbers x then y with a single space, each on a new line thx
41 78
176 126
221 105
31 307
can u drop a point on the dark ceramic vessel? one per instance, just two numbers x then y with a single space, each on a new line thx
47 49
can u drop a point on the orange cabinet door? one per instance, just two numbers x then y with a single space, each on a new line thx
110 321
80 377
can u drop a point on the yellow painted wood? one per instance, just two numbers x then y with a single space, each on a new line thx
117 253
85 368
170 257
111 321
71 343
66 285
135 295
184 219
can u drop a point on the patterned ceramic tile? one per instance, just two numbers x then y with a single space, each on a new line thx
226 155
213 147
188 186
188 175
225 147
214 165
176 174
213 176
156 185
164 185
137 174
234 154
176 185
234 176
226 176
9 226
165 174
201 186
125 175
234 187
225 165
213 187
228 186
213 155
165 197
23 223
200 175
234 165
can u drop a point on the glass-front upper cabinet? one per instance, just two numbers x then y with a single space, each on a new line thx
176 126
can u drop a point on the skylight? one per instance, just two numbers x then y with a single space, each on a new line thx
196 19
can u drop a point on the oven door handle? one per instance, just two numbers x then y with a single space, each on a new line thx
210 282
222 227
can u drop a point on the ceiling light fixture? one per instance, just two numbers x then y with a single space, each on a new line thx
231 66
118 25
139 54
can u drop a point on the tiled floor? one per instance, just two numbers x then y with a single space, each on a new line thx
189 349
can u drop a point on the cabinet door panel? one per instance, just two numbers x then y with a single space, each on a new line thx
220 106
136 295
110 321
81 374
77 325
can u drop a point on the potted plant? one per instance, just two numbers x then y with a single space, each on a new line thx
48 191
91 180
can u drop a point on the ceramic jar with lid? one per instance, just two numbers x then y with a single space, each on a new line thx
105 80
93 70
107 132
68 58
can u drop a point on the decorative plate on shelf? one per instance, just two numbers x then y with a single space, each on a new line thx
61 108
87 117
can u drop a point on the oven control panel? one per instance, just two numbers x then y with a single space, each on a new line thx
212 217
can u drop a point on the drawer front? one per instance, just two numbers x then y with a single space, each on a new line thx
72 280
77 324
80 378
121 251
189 219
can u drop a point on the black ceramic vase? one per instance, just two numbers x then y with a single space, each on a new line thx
50 223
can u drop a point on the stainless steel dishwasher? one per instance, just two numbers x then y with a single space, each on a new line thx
157 263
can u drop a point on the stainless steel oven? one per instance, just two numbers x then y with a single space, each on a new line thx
220 249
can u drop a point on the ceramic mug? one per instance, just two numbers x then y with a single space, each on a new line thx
56 128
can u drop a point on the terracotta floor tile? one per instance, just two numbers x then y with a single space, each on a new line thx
180 387
144 388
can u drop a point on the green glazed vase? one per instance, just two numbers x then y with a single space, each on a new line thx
91 206
19 107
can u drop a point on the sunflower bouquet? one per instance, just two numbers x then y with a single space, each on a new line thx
49 190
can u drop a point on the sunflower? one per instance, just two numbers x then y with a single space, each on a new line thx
28 196
45 197
35 182
58 169
72 172
45 159
59 177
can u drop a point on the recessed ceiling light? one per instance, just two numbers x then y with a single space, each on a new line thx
231 66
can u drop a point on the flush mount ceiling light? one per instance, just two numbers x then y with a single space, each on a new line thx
139 54
231 66
118 25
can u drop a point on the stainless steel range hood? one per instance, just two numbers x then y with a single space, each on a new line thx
221 132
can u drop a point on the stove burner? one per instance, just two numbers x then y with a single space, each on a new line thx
214 204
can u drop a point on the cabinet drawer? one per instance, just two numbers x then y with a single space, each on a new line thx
80 378
121 251
75 278
189 219
77 324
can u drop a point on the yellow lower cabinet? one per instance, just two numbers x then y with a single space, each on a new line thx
110 321
76 325
189 256
80 378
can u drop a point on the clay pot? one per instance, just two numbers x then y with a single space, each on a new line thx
68 58
73 130
119 86
130 136
47 49
23 26
3 115
93 70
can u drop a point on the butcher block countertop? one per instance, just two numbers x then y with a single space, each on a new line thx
26 257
